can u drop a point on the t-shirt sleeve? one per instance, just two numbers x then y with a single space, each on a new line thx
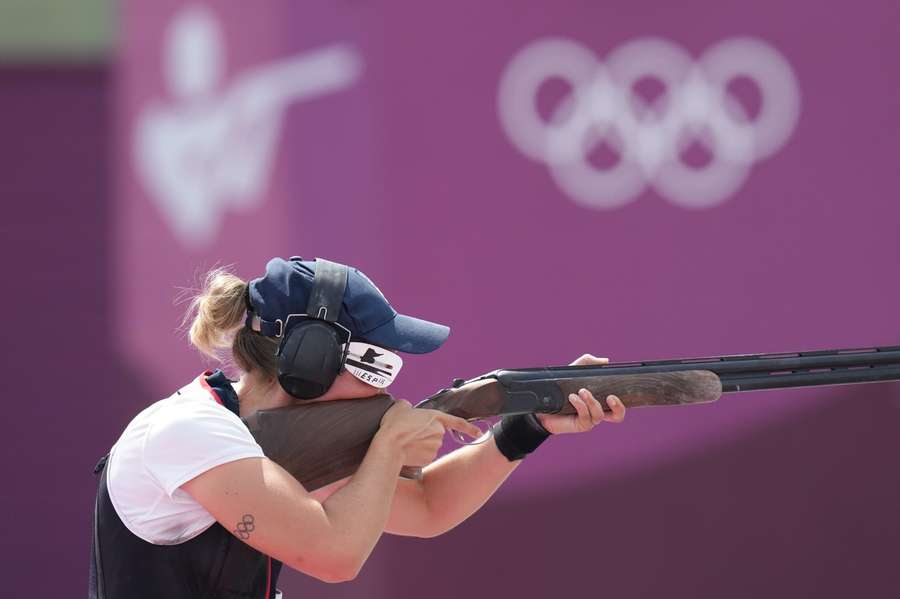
188 439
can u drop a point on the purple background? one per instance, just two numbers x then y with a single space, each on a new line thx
408 175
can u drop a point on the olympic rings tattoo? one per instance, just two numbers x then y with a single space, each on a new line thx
244 527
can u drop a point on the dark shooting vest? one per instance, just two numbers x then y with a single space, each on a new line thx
213 565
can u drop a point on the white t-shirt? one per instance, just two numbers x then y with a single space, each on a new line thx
166 445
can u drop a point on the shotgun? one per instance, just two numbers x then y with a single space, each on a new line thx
322 442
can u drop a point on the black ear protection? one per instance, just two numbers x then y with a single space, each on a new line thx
313 347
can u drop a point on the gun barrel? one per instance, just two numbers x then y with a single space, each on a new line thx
750 372
814 378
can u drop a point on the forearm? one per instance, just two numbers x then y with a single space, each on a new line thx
459 483
358 512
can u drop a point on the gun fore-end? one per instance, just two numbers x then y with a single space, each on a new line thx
639 390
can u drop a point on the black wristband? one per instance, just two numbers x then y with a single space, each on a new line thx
517 436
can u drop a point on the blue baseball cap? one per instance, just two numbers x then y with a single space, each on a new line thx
286 287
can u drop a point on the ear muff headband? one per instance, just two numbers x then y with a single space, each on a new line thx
327 295
313 345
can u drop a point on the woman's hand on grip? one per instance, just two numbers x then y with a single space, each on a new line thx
419 432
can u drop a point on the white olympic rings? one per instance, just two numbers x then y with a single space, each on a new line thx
649 137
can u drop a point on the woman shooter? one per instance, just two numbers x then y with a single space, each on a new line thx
189 506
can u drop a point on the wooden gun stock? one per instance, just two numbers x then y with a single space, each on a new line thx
319 442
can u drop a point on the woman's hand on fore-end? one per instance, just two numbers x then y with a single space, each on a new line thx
589 412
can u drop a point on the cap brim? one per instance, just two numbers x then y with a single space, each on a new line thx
410 335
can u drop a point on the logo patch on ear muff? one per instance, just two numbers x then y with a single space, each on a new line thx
372 364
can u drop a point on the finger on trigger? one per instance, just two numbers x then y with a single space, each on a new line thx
472 430
461 425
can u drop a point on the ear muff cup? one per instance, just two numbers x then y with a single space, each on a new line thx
309 359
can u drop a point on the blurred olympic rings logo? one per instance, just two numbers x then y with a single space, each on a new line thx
649 137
